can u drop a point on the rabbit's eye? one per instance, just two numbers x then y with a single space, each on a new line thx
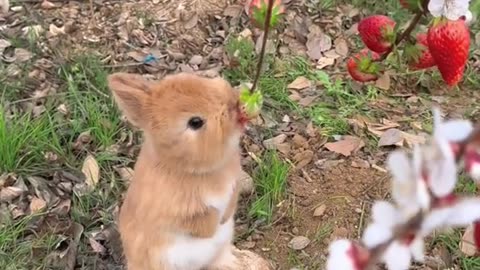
195 123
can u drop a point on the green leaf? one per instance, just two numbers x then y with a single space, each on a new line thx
323 77
251 102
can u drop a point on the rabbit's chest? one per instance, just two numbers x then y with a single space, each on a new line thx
220 200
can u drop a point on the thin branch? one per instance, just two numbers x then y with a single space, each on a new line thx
406 33
264 45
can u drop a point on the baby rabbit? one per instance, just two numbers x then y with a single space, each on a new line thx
178 211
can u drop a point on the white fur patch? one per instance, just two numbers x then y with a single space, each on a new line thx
220 202
189 253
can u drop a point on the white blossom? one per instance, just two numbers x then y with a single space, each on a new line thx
385 217
409 189
451 9
400 252
340 257
398 256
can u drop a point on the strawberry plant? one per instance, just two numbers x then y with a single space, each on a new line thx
445 45
264 14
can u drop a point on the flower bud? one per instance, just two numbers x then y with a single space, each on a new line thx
258 12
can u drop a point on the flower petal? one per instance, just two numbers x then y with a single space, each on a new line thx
450 130
397 257
417 247
403 184
454 131
464 212
376 234
339 257
423 196
399 165
443 170
436 7
469 18
437 218
384 213
456 9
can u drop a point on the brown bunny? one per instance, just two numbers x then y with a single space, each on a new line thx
178 210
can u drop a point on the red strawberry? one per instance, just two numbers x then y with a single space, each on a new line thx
449 43
362 68
377 32
419 56
257 11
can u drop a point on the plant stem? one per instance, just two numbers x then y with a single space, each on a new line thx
264 45
406 33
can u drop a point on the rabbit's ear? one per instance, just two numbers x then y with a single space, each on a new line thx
131 93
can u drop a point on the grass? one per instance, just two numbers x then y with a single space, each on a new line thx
270 185
14 249
22 141
25 139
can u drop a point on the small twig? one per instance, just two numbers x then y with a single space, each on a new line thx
406 33
264 45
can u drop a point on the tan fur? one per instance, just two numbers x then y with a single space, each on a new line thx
177 168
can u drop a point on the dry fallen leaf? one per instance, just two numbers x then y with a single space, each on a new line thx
3 45
324 62
307 101
300 83
22 55
273 142
47 5
383 82
467 245
341 47
390 137
397 137
96 246
37 205
42 190
126 173
379 129
319 211
191 22
73 247
233 11
346 146
8 194
91 170
299 243
317 42
303 158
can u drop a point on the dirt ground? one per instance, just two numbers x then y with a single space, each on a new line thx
330 187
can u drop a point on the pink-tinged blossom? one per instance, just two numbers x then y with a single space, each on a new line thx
400 252
345 255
